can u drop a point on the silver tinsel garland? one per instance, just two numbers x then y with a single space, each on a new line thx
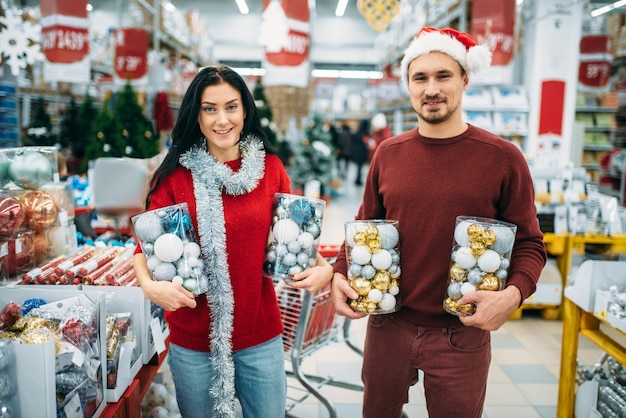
210 179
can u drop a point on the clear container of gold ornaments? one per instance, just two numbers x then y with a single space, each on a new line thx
481 255
294 236
372 251
168 241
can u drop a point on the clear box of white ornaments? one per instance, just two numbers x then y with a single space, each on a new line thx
167 239
373 255
294 236
480 259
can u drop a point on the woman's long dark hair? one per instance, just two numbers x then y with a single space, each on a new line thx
186 131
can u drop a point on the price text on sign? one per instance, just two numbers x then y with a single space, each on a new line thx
128 64
62 44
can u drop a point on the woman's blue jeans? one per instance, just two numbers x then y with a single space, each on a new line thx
260 380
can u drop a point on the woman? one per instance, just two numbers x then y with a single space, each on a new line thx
227 341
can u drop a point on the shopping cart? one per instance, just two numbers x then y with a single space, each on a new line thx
310 323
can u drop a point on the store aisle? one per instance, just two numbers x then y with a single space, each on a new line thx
523 379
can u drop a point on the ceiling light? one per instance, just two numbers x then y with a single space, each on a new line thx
341 7
243 7
605 9
371 75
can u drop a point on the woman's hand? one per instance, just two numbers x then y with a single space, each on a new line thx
313 278
170 296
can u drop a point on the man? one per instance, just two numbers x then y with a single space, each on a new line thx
425 178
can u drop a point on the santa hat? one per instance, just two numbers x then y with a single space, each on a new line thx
458 45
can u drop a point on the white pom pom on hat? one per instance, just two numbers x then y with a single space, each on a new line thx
458 45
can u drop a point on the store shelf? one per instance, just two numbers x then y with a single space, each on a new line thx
579 318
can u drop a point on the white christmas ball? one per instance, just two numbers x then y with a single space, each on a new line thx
467 288
290 259
396 273
190 284
168 247
302 259
454 290
489 261
177 280
388 302
360 254
157 394
148 227
281 250
389 236
375 295
306 240
505 238
355 270
192 249
394 289
464 258
153 262
192 261
165 271
460 234
183 269
475 276
381 260
505 263
285 230
294 246
368 271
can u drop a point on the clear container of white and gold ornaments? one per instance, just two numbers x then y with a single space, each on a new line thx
294 236
168 241
480 259
373 255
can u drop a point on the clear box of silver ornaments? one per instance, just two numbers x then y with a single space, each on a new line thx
480 259
294 235
168 241
373 255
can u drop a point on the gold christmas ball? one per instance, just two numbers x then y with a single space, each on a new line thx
371 307
361 285
467 309
361 307
475 231
41 210
374 245
477 247
489 237
360 238
354 304
457 273
451 305
382 280
372 232
489 282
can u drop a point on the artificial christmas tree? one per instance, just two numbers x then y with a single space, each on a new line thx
314 159
40 130
268 124
122 130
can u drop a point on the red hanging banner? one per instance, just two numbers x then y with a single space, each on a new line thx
493 25
131 53
65 30
290 65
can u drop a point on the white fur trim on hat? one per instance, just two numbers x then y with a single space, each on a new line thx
472 60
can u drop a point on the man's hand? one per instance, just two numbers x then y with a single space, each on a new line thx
342 292
493 308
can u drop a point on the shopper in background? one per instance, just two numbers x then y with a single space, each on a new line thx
227 341
359 152
344 142
425 178
380 132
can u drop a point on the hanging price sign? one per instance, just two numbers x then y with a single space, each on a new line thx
65 30
131 53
